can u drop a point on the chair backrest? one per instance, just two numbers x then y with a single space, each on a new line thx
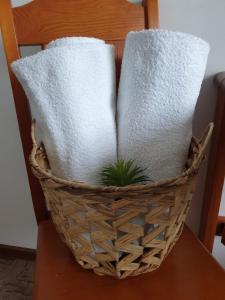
41 21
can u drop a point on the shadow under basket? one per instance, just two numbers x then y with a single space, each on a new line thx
120 231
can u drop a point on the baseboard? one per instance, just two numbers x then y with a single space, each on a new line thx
220 225
17 252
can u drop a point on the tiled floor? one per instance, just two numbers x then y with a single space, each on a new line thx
16 279
219 251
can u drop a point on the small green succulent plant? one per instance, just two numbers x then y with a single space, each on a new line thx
123 173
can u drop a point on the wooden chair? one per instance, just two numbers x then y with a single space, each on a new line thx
190 272
216 171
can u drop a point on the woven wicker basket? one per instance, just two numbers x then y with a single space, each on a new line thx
120 231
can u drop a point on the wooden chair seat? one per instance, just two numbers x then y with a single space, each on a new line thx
189 272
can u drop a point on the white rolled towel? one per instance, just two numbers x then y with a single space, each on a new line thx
74 41
162 72
71 91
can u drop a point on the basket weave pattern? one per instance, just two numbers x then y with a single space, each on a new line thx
120 231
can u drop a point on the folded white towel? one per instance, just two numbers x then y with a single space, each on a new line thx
73 41
162 72
71 91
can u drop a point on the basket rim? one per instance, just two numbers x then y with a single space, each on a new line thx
200 144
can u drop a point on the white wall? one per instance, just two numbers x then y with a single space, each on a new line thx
204 18
17 221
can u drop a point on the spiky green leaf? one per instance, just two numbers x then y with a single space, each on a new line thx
123 173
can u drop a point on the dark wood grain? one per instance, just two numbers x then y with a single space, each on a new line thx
216 170
41 21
